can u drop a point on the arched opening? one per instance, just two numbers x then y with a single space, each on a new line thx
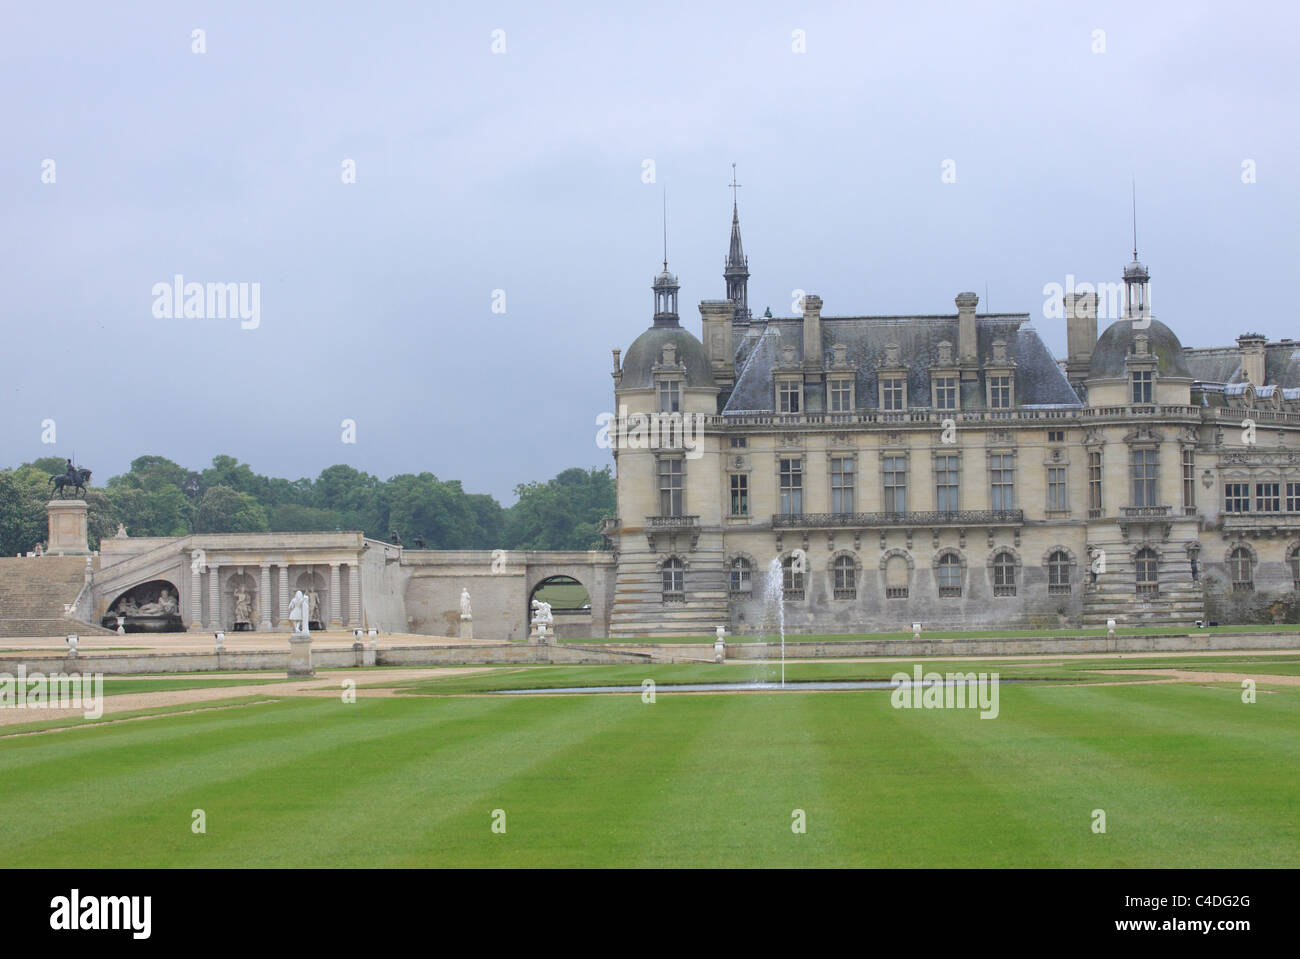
152 607
1148 572
314 588
1241 570
567 596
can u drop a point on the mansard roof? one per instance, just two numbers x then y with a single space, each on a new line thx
1222 364
1039 381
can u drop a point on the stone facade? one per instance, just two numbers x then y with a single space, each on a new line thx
948 470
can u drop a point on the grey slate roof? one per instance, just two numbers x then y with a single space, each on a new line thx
647 350
1222 364
1116 343
1039 380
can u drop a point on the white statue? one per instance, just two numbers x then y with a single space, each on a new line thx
299 611
465 611
542 612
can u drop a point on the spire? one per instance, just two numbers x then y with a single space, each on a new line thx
736 268
665 285
1137 296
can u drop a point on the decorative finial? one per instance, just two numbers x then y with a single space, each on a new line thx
734 187
665 229
1135 220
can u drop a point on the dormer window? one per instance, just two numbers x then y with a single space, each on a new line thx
841 394
1000 392
1143 386
893 393
945 392
670 396
789 395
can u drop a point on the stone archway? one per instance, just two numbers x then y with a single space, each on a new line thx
568 597
151 607
316 589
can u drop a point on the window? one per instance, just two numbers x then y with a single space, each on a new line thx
945 483
1293 497
1236 497
896 577
841 395
1142 386
1056 436
739 494
846 578
1056 498
670 396
674 580
945 393
742 576
791 578
791 487
788 395
1143 470
1189 480
1004 575
1293 563
1094 485
842 484
949 575
1239 569
738 442
1002 481
1000 392
1058 573
1148 573
891 393
670 487
1268 497
894 472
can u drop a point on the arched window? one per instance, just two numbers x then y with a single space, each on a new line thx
742 576
1004 575
949 575
1058 572
846 578
1239 568
1148 572
896 577
792 576
1293 563
674 580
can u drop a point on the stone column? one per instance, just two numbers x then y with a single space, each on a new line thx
196 597
284 596
214 596
264 620
354 594
334 595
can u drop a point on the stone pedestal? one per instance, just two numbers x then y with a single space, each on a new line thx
300 656
68 533
467 627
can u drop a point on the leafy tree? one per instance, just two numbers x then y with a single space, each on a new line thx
226 510
563 513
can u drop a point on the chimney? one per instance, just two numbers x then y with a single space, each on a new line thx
618 370
812 332
967 351
1251 348
716 317
1080 335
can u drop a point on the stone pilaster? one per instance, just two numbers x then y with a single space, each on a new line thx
264 600
354 594
214 596
284 596
334 595
196 597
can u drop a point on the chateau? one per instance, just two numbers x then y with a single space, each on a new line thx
948 469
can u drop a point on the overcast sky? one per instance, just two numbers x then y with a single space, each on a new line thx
522 171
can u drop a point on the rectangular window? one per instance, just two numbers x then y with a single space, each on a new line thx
1189 481
670 487
1142 468
1000 392
891 393
894 472
738 442
842 484
739 494
788 395
1142 386
1056 436
1056 498
1094 485
1236 497
1293 497
1268 497
841 396
945 393
670 396
791 487
946 469
1002 481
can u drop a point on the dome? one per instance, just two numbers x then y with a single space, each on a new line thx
665 279
1136 269
1114 345
648 349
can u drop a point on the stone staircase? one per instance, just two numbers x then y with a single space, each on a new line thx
638 609
1180 601
33 592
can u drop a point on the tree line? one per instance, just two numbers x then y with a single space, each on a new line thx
157 497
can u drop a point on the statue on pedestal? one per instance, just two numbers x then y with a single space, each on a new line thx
299 613
74 477
466 612
243 608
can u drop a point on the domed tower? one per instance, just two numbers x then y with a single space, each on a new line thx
668 530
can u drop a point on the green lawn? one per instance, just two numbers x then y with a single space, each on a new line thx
1188 776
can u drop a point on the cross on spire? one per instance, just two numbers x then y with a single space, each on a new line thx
734 186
